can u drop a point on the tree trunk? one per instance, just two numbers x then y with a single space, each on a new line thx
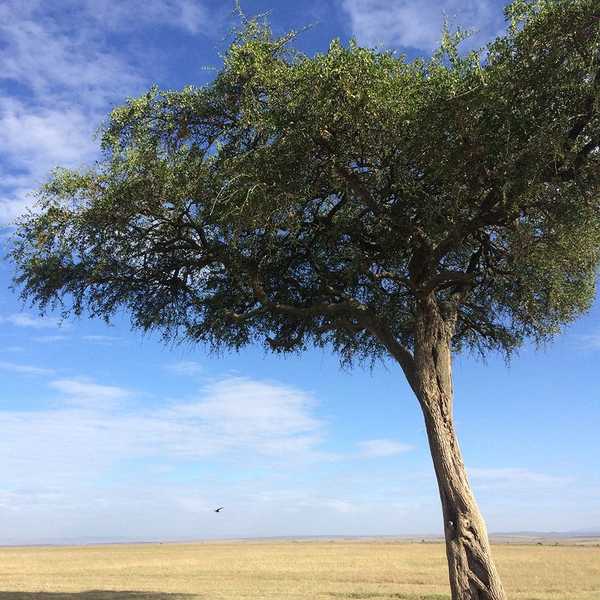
473 575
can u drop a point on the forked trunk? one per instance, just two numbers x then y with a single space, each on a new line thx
473 575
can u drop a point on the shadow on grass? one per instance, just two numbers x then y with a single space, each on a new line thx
96 595
384 596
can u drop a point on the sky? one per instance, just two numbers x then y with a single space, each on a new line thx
108 434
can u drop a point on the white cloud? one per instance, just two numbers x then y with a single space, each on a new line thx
185 367
51 514
382 448
53 49
515 476
269 417
101 339
24 369
13 203
91 430
589 341
70 73
50 59
89 467
418 23
90 395
38 138
70 77
26 320
295 500
60 464
49 339
188 15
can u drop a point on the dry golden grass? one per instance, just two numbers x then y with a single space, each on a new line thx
307 570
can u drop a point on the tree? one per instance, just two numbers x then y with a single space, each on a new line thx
353 200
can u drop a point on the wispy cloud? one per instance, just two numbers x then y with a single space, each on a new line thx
296 500
515 476
58 459
68 76
49 339
587 341
55 135
190 16
418 23
185 367
26 320
70 72
48 57
382 448
270 418
90 394
107 340
24 369
91 428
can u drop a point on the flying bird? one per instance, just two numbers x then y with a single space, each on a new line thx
219 509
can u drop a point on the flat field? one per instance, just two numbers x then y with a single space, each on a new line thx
283 570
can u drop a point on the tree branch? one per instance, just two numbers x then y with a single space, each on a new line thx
402 354
356 185
444 278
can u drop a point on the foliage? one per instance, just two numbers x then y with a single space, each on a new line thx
318 199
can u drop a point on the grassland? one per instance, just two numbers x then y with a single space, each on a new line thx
285 570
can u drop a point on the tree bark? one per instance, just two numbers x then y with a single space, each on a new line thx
473 575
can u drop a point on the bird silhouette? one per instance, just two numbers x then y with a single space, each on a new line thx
219 509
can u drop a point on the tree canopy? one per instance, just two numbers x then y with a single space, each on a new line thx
318 199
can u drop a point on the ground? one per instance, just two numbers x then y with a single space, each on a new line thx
288 570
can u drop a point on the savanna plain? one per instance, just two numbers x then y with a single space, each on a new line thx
290 569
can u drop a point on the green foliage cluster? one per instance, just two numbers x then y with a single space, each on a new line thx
319 199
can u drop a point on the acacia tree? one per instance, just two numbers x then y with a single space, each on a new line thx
351 200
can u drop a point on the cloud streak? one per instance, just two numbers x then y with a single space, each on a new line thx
190 16
382 448
105 340
30 321
185 367
510 476
90 394
418 24
24 369
91 428
587 341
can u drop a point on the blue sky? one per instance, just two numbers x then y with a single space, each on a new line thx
107 434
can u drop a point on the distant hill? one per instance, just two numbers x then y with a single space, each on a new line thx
588 532
579 533
498 537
